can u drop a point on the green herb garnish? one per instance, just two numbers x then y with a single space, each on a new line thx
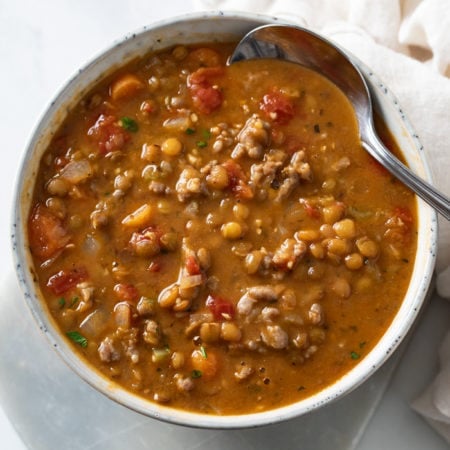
196 373
206 134
190 131
77 338
202 144
354 355
62 302
74 301
203 352
129 124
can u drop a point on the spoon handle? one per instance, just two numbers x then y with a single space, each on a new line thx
423 189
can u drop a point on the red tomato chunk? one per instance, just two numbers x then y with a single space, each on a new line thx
65 280
48 236
205 96
108 134
126 292
221 309
278 107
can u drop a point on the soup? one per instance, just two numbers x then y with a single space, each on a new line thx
214 238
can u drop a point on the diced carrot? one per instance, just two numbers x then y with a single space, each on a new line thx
140 217
205 76
126 86
205 362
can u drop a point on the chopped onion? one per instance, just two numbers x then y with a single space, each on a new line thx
91 245
190 281
76 171
180 123
122 315
94 323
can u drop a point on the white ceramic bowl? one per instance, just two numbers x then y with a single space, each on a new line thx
191 29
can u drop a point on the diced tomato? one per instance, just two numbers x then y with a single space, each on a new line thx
205 95
126 292
399 226
60 162
207 99
404 214
154 267
237 180
192 265
221 309
148 107
65 280
47 234
108 134
278 107
312 210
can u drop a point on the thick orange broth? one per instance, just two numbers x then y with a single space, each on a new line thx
214 238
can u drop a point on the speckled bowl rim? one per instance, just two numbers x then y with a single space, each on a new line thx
223 24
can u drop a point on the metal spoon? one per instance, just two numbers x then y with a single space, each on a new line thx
304 47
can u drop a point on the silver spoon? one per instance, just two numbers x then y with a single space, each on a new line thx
304 47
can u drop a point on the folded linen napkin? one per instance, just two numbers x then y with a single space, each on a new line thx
407 44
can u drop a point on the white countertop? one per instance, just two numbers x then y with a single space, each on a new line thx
42 45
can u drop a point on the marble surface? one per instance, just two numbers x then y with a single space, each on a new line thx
41 45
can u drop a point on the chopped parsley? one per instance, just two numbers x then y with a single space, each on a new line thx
190 131
203 352
129 124
74 301
77 338
354 355
206 134
62 302
196 373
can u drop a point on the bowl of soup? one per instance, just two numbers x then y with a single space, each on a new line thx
209 244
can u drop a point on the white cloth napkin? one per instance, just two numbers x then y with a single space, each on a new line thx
407 44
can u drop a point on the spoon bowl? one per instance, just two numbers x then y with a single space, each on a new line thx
301 46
